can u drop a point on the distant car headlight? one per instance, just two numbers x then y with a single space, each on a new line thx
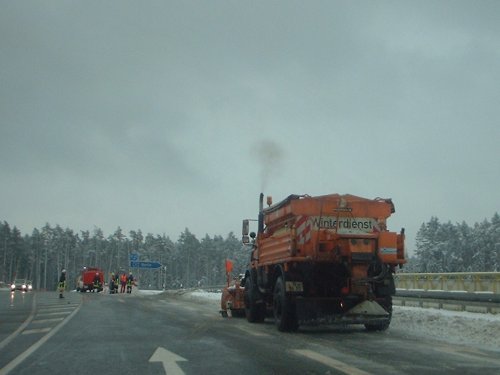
13 286
24 286
30 287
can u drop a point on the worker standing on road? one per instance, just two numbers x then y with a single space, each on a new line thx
97 282
116 282
62 283
112 282
130 281
123 282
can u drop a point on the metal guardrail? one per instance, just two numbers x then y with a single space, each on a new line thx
450 296
454 281
462 291
413 299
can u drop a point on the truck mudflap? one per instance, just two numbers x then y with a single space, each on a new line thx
312 311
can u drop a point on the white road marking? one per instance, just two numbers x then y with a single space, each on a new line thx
330 362
21 357
42 321
54 313
57 306
43 310
22 326
39 330
169 360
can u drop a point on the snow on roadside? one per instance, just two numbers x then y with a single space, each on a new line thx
147 291
206 295
458 327
201 296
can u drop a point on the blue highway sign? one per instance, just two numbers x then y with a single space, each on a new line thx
145 264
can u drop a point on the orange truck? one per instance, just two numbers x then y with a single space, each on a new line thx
322 260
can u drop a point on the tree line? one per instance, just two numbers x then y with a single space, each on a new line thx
447 247
188 262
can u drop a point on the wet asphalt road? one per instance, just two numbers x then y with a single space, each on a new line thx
168 334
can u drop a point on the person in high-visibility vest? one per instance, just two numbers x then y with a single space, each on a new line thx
123 282
130 281
116 282
112 283
97 283
62 283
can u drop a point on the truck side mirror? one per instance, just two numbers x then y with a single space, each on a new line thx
245 227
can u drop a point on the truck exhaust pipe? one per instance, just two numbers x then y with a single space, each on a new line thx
261 213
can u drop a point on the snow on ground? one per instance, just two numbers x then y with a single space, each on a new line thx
206 295
147 292
457 327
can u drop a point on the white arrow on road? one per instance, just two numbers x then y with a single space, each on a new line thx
169 360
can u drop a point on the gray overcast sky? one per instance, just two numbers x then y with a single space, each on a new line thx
162 115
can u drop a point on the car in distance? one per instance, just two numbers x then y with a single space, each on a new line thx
20 284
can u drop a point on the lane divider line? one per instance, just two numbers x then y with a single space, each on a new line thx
14 334
21 357
54 313
35 330
43 321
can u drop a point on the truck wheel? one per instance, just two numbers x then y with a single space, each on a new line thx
283 308
387 305
255 312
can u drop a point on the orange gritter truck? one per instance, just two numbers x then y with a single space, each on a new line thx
322 260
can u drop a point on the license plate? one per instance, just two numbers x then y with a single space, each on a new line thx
294 286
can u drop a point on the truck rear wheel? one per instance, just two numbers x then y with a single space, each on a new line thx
254 311
285 315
